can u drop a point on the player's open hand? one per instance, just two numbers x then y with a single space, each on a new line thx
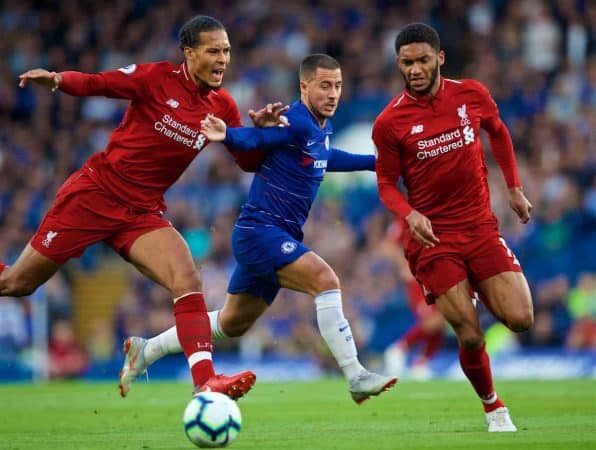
42 77
213 128
270 115
421 229
520 204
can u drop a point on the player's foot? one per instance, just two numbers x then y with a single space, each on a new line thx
234 386
395 360
134 363
499 420
367 384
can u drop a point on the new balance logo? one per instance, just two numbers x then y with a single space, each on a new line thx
48 240
416 129
173 103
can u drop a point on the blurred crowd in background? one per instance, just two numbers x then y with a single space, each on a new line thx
536 57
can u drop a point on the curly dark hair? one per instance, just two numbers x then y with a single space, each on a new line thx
417 32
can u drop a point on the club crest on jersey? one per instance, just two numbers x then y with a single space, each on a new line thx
463 115
288 247
49 237
130 69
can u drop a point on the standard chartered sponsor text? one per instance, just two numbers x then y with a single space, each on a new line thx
431 147
176 130
445 137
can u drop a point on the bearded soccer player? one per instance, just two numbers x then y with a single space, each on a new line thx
267 237
117 196
429 136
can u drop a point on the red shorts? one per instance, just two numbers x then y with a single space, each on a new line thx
417 300
474 254
84 214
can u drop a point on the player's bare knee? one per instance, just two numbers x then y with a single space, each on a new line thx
522 321
470 339
185 282
326 280
233 328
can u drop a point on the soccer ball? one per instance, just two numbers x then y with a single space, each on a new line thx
212 419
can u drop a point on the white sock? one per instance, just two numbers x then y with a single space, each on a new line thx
216 331
337 333
167 342
161 345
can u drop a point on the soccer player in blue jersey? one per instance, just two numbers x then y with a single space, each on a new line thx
267 237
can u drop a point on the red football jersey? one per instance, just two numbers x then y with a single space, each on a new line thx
434 144
159 135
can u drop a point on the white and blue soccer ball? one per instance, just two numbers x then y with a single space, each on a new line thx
211 420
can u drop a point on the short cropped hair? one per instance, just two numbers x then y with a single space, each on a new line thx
417 32
189 32
311 63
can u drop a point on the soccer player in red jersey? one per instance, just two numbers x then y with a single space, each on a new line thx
429 136
117 196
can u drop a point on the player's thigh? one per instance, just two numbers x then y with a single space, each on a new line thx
245 280
458 309
507 295
262 251
30 271
309 274
81 215
436 269
163 256
498 276
239 312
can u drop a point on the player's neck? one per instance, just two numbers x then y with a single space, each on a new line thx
320 120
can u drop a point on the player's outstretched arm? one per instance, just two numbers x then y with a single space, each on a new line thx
342 161
270 115
43 77
247 138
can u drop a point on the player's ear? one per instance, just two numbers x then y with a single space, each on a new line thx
188 53
303 86
441 57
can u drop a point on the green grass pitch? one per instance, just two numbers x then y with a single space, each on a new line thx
301 416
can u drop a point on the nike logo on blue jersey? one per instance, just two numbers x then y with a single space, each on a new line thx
344 328
310 143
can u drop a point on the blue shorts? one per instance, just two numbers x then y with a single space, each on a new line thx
260 251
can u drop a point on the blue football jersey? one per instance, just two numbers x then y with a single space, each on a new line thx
284 188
